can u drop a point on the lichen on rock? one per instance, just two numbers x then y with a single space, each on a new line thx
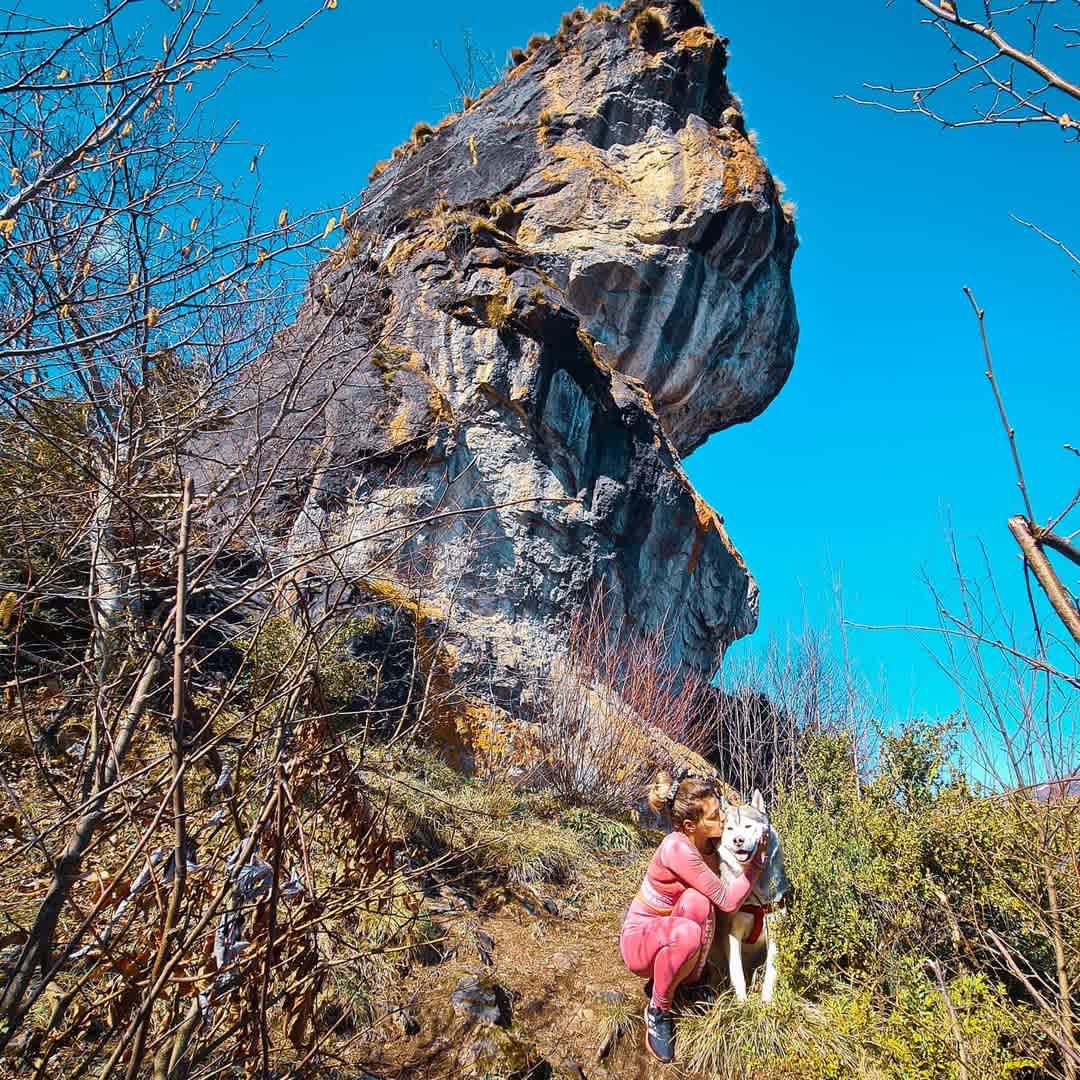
544 302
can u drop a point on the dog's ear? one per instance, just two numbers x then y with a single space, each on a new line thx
757 801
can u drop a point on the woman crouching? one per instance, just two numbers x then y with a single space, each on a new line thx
669 927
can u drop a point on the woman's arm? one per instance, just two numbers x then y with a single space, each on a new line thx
685 862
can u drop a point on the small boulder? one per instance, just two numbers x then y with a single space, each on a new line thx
480 997
562 963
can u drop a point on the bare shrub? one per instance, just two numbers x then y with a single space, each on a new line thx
771 701
610 708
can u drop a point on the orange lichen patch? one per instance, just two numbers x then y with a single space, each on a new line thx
582 155
697 37
435 661
401 428
413 420
564 82
493 739
511 404
434 230
518 70
388 356
744 171
394 593
645 401
438 403
652 185
592 347
707 521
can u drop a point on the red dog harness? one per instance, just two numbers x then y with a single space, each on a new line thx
759 911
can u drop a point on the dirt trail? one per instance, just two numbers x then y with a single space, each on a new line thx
556 972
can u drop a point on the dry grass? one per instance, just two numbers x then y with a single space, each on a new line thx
735 1040
647 29
498 309
617 1020
486 828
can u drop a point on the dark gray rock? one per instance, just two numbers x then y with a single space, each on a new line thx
481 998
485 946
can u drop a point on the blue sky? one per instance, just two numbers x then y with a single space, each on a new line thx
886 431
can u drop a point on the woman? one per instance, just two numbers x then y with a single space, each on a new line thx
669 927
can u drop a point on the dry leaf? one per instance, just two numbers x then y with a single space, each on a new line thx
331 225
152 317
7 227
283 218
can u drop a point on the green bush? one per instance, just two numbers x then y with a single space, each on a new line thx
280 649
899 872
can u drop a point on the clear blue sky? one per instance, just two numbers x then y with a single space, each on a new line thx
887 428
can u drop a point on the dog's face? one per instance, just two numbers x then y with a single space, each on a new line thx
744 827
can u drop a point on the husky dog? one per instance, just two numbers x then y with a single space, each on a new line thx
742 937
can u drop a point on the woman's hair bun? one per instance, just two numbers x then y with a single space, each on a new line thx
661 792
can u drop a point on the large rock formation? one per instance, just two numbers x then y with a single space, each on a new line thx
542 303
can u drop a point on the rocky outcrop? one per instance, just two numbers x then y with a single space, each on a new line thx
541 304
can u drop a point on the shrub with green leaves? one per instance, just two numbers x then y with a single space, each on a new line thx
901 875
280 649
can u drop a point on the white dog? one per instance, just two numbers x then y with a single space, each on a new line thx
742 937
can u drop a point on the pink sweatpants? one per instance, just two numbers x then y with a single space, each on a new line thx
660 945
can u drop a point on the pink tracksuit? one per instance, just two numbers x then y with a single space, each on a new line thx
672 919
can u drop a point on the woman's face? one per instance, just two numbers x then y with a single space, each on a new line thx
709 826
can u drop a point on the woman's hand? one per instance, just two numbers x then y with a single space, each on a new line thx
761 856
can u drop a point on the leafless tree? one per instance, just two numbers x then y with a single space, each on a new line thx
1017 669
168 920
1008 66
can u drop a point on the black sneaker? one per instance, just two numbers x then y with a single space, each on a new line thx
659 1033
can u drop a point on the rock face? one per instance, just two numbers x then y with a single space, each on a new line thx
541 304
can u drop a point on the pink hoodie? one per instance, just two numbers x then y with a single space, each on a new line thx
676 866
